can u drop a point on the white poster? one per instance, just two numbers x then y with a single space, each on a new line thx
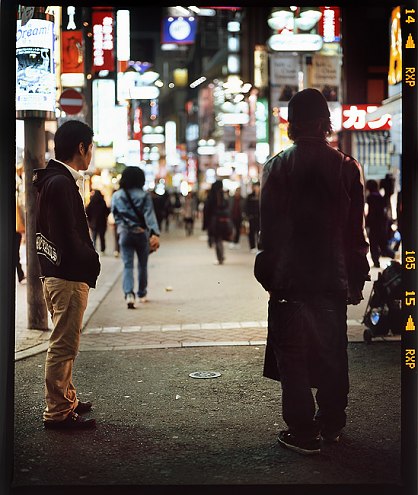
326 75
35 71
284 69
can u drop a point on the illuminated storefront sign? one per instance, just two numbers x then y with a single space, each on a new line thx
180 30
260 67
326 75
103 40
395 54
103 93
295 42
72 59
35 68
354 118
72 18
261 120
295 29
329 25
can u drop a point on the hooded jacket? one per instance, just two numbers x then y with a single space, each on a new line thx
63 244
312 220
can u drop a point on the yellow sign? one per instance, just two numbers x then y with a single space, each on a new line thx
410 42
395 56
410 325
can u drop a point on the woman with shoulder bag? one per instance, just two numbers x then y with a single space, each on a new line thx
138 231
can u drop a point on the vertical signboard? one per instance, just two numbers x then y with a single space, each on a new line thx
395 52
284 69
35 69
103 39
326 75
72 56
103 91
261 67
329 25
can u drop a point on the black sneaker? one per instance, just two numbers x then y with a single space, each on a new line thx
72 422
130 300
331 436
302 446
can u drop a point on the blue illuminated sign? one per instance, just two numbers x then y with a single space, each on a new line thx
180 30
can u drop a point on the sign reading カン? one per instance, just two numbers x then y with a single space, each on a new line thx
35 78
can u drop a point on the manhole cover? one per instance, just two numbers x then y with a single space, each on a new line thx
205 374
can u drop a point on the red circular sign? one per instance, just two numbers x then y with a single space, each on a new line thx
71 101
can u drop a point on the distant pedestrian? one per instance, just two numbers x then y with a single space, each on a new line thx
252 212
115 235
162 207
313 263
236 208
189 212
217 220
377 223
69 267
388 186
97 214
20 232
137 226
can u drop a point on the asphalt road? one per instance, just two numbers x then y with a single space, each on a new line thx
159 429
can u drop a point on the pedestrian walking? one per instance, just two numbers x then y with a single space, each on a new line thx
313 263
97 214
217 220
138 231
189 212
161 203
69 267
388 186
252 212
377 223
236 207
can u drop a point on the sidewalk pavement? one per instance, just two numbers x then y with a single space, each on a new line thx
160 429
192 302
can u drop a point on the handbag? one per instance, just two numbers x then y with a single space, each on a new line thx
225 228
264 268
141 219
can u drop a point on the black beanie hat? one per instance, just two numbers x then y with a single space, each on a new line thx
308 104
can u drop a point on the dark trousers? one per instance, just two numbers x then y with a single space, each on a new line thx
378 239
309 340
19 269
101 235
254 228
219 248
237 229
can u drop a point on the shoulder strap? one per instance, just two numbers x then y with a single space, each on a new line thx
137 212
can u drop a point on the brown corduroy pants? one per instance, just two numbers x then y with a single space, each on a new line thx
66 302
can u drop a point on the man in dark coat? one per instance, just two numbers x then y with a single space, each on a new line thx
312 234
97 213
69 267
252 212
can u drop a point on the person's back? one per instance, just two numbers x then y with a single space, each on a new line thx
377 213
313 263
308 195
